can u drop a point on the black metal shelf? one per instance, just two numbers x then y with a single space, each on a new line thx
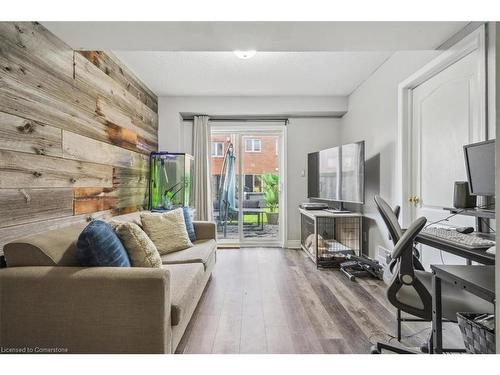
477 212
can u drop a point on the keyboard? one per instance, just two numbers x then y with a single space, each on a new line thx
452 237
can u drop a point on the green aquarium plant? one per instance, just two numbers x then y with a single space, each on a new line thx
170 184
170 194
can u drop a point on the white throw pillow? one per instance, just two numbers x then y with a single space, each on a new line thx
167 230
141 250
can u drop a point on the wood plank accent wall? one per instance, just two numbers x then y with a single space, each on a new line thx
76 129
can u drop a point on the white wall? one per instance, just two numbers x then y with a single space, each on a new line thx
372 116
304 134
170 133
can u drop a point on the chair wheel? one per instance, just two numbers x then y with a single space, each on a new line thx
374 350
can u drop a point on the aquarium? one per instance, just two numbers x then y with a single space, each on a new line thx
171 180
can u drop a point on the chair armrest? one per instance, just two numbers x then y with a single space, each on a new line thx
86 310
205 230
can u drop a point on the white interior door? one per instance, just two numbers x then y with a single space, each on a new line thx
446 115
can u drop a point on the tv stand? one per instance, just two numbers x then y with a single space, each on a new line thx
337 211
328 237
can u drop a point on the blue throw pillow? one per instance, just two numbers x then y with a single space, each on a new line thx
99 246
189 223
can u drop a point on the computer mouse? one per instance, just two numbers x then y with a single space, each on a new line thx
465 230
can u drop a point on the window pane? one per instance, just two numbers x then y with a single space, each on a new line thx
217 149
248 183
256 145
248 145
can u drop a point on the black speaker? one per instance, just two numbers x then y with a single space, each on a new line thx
462 197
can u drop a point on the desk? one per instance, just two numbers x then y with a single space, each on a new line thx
478 280
480 256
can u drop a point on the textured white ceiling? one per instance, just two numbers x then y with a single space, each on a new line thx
262 36
267 73
294 58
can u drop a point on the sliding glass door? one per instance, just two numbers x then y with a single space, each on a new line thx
247 183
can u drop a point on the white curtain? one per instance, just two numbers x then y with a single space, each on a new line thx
202 161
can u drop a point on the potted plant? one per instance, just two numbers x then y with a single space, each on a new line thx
271 196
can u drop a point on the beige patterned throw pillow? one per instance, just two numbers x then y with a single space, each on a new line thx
141 250
167 230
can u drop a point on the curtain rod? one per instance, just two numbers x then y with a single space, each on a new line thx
248 120
240 119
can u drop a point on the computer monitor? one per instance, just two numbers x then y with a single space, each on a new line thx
480 167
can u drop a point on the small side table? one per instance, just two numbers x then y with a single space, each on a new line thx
478 280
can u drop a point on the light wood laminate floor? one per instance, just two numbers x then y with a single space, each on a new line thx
270 300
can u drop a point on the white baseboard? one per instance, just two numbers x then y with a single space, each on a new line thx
293 244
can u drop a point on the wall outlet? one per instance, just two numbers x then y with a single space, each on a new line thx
383 256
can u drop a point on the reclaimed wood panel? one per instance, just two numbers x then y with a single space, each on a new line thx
78 147
90 78
35 91
10 234
88 200
131 132
19 170
111 65
19 134
22 206
126 177
76 130
37 102
37 45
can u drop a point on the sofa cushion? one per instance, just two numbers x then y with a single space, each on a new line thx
133 217
185 280
188 220
166 230
201 252
141 250
99 246
55 247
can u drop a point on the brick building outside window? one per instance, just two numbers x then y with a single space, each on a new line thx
260 156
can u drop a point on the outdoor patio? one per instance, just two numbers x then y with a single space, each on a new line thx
268 231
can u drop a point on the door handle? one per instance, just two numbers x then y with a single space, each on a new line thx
414 200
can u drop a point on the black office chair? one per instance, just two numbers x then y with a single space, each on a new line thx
363 265
391 220
409 288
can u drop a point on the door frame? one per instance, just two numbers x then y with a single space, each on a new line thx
265 129
476 40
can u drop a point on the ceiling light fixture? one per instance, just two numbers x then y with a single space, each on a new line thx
245 54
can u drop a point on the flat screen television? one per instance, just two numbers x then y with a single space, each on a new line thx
337 174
